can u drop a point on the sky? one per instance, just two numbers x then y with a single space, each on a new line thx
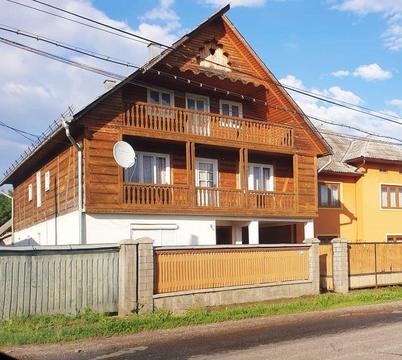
350 50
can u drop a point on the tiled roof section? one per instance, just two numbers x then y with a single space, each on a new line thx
374 150
346 149
334 162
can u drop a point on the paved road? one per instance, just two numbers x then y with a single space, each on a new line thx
371 332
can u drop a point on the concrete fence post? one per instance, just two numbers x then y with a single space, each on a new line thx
314 264
340 265
136 276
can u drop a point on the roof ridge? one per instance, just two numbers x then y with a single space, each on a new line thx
347 150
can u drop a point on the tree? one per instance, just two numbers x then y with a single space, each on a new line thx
5 208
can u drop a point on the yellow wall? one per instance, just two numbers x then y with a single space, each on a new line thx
361 217
339 221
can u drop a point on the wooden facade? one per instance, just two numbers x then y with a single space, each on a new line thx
275 133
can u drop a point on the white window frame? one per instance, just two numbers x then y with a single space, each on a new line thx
214 163
38 189
231 103
30 192
250 176
160 90
47 181
140 156
198 97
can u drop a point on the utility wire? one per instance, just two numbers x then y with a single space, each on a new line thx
23 133
120 77
77 22
344 104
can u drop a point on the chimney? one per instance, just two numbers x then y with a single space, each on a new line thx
109 84
153 50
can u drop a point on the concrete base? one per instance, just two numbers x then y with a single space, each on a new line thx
182 301
367 281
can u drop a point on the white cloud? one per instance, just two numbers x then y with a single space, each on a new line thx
341 73
234 3
162 12
372 72
35 90
395 102
333 113
390 9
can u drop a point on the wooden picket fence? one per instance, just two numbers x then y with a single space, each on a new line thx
214 267
326 267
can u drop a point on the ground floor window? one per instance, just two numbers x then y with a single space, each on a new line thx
326 239
394 238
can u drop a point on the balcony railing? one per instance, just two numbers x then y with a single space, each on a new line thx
166 119
177 197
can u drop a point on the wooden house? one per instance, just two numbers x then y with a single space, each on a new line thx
224 155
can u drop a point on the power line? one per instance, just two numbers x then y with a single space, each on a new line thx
76 22
19 131
120 77
343 104
68 47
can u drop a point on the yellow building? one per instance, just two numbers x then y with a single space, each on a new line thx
360 191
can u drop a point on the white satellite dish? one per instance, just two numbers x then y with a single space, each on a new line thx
124 154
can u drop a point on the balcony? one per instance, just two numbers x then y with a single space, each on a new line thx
206 200
182 124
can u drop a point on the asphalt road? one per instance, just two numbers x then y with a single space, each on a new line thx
370 332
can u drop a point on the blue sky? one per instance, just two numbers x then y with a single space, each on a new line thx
347 49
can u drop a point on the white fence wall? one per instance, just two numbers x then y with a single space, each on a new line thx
58 279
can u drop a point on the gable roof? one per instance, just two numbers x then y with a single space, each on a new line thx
325 147
347 151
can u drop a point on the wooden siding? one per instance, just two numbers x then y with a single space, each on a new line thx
182 270
306 175
246 68
61 197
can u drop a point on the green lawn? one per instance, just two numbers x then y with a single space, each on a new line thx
57 328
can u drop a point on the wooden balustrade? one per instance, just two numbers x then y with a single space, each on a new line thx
157 196
271 200
168 119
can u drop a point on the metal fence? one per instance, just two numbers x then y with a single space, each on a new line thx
203 268
58 279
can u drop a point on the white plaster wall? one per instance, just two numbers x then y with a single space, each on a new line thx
183 230
56 231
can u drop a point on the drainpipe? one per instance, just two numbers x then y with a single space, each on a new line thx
66 125
12 214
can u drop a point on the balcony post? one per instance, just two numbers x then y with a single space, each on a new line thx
192 187
245 172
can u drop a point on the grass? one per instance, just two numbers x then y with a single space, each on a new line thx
60 328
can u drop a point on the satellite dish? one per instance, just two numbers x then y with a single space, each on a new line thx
124 154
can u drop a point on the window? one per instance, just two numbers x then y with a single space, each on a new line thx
38 190
326 239
329 195
207 177
47 180
206 172
150 168
197 102
231 108
160 97
30 192
391 197
260 177
394 238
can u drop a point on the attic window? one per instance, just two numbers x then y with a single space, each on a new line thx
212 56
